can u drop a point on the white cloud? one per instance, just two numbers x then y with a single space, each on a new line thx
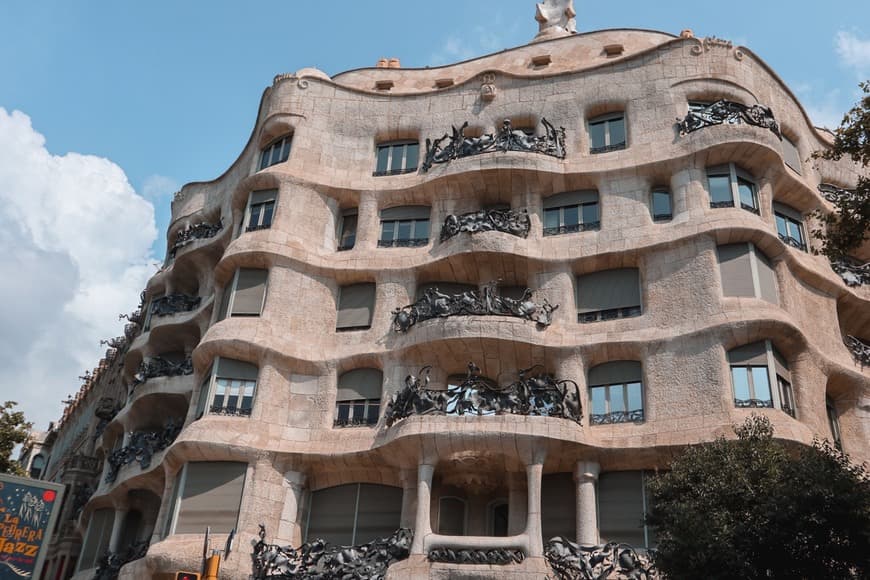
76 244
157 186
854 52
477 42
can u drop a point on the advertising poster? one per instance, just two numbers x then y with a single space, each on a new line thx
28 510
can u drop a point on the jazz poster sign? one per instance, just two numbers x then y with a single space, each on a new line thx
28 510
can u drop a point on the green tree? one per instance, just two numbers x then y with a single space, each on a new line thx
846 228
757 508
13 431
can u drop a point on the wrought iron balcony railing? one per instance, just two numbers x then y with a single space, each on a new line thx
200 231
403 243
609 314
724 112
753 403
860 350
607 148
572 228
141 448
110 564
613 560
509 221
853 273
161 367
794 243
173 304
635 416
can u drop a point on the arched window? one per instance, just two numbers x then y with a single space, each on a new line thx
358 401
616 393
356 304
353 514
37 465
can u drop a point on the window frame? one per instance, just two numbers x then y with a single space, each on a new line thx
264 208
390 147
415 225
208 391
371 406
338 307
757 258
661 217
736 178
789 149
610 417
285 141
788 220
606 120
229 299
306 529
342 235
464 514
178 491
608 313
834 421
779 387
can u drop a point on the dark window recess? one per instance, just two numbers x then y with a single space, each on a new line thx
661 205
347 235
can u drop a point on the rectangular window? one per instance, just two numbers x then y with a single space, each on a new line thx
406 226
720 191
730 186
574 211
608 295
607 133
210 496
745 271
261 208
246 294
277 152
748 195
789 226
786 395
347 230
397 158
791 155
356 303
622 507
229 389
833 422
661 205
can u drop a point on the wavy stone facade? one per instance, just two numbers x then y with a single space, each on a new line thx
285 318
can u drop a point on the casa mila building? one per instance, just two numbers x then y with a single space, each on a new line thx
454 318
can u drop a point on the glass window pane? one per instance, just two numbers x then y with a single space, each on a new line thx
285 150
373 409
617 131
661 203
397 158
412 152
551 218
596 135
590 213
635 397
599 400
421 230
276 153
781 226
740 378
404 230
617 398
348 231
720 188
383 158
343 412
359 411
571 215
268 210
747 193
761 382
264 159
387 229
794 230
255 215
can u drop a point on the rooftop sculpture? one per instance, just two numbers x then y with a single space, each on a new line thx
555 18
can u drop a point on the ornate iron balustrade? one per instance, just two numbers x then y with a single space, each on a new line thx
509 221
794 243
836 194
538 394
110 563
173 304
572 561
721 204
200 231
860 349
387 172
853 273
403 243
492 556
142 447
572 229
753 403
728 113
258 227
635 416
161 367
607 148
436 304
507 138
235 411
320 560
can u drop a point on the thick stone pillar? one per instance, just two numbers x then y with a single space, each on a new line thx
117 527
290 528
423 523
585 476
409 498
516 509
534 472
368 228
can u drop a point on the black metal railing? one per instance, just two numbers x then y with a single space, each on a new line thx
794 243
635 416
609 314
607 148
753 403
403 243
198 231
394 172
572 228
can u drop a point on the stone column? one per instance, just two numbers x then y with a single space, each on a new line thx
516 510
533 518
290 528
409 498
368 228
117 526
585 476
423 524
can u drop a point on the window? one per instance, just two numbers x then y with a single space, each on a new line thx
97 537
569 212
833 422
277 152
396 158
616 393
405 226
754 368
560 491
608 295
229 389
730 186
347 229
622 507
607 133
37 465
245 295
746 271
661 205
452 516
791 155
261 208
354 514
209 494
358 401
498 518
789 226
356 303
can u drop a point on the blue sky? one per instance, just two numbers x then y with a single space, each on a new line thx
120 103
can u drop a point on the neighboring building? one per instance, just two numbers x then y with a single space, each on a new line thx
313 326
31 457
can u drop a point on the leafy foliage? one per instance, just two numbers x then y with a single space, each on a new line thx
848 227
753 508
13 431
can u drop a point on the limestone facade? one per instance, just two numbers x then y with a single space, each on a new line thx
496 466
